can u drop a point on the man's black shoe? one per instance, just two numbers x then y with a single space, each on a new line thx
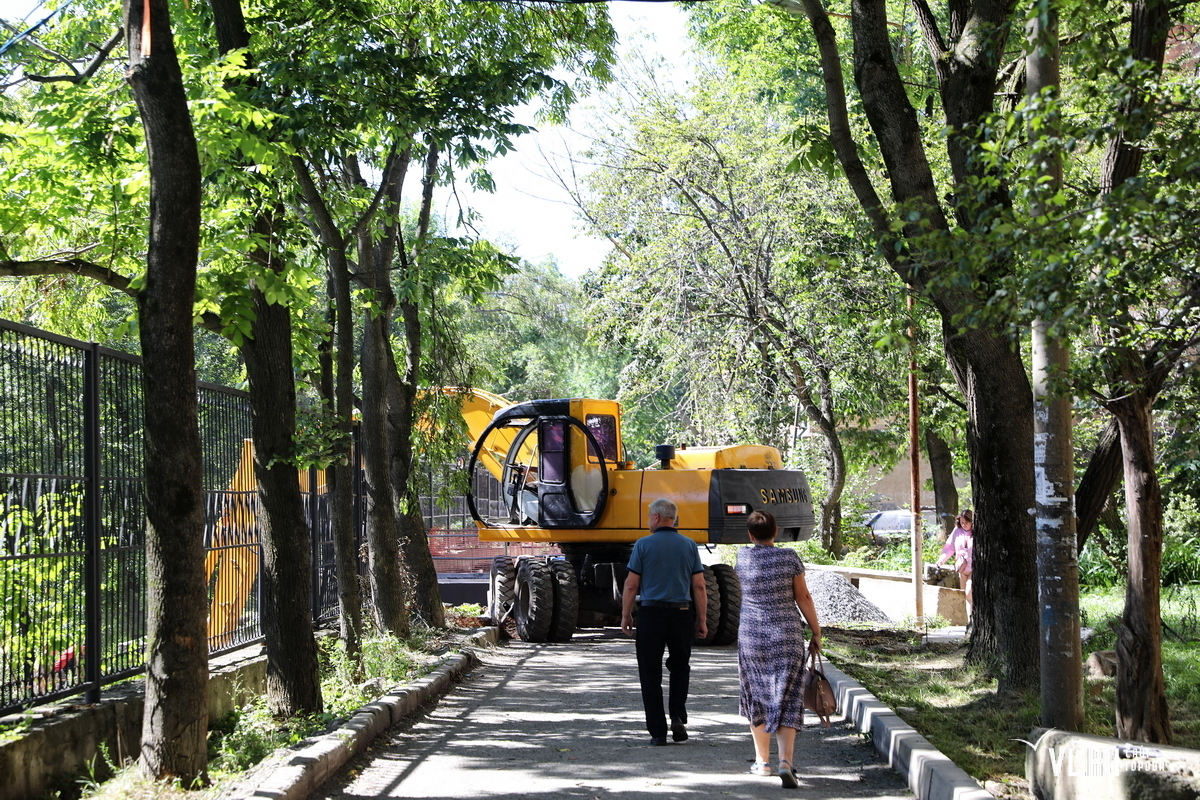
678 731
658 741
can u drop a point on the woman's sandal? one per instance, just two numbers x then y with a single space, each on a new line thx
788 775
760 768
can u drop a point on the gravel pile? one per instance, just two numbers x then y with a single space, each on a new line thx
837 601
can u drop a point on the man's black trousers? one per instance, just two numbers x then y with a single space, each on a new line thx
672 630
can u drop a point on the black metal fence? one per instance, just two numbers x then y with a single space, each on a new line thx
72 522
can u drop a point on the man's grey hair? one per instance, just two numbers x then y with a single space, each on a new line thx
665 509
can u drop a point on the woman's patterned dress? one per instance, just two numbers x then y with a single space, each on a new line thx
771 650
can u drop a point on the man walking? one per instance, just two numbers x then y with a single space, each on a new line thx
666 567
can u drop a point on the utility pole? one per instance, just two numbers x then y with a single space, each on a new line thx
914 455
1057 561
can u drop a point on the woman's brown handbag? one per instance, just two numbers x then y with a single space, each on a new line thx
816 689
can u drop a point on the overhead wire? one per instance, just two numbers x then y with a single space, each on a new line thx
35 27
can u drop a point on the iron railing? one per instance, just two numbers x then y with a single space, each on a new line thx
72 519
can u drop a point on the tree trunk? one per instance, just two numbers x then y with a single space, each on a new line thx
293 682
414 541
988 369
941 469
1141 695
820 412
999 399
378 367
175 725
831 504
339 476
1103 471
402 396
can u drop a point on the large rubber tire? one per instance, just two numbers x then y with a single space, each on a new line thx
730 588
714 607
502 587
534 604
566 601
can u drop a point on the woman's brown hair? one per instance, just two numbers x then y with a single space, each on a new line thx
761 525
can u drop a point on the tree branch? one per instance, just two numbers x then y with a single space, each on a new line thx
78 76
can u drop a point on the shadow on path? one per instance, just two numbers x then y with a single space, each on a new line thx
565 720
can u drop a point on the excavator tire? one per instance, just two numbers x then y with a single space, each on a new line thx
566 601
730 588
502 585
714 607
534 604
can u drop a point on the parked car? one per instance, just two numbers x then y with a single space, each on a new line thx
896 524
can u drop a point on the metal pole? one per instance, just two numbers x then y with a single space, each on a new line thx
914 455
93 643
314 538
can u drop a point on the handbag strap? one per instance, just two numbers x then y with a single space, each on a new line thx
815 661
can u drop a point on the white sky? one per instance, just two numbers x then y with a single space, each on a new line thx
529 215
532 215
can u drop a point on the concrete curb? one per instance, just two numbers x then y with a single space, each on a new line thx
929 773
296 772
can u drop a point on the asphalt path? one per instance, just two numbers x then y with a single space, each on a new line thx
565 720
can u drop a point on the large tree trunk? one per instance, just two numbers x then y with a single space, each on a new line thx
175 725
987 368
293 682
941 469
402 397
999 399
1141 695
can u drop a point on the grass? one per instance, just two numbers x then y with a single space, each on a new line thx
956 707
247 735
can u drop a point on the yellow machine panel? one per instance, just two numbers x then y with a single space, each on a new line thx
687 489
742 456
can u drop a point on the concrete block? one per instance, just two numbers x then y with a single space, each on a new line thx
323 757
1062 765
235 685
367 724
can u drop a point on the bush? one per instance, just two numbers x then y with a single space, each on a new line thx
1181 541
1097 570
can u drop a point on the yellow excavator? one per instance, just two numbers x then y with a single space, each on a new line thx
565 479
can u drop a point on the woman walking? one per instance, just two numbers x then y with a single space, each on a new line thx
771 652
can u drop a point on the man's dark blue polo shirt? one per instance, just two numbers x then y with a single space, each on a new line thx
665 560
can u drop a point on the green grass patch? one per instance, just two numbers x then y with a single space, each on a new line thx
1101 610
956 707
952 704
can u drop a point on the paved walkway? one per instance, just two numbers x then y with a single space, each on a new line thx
565 720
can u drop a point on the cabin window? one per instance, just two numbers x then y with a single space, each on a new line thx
604 428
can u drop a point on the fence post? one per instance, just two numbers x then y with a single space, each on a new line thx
93 645
314 544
